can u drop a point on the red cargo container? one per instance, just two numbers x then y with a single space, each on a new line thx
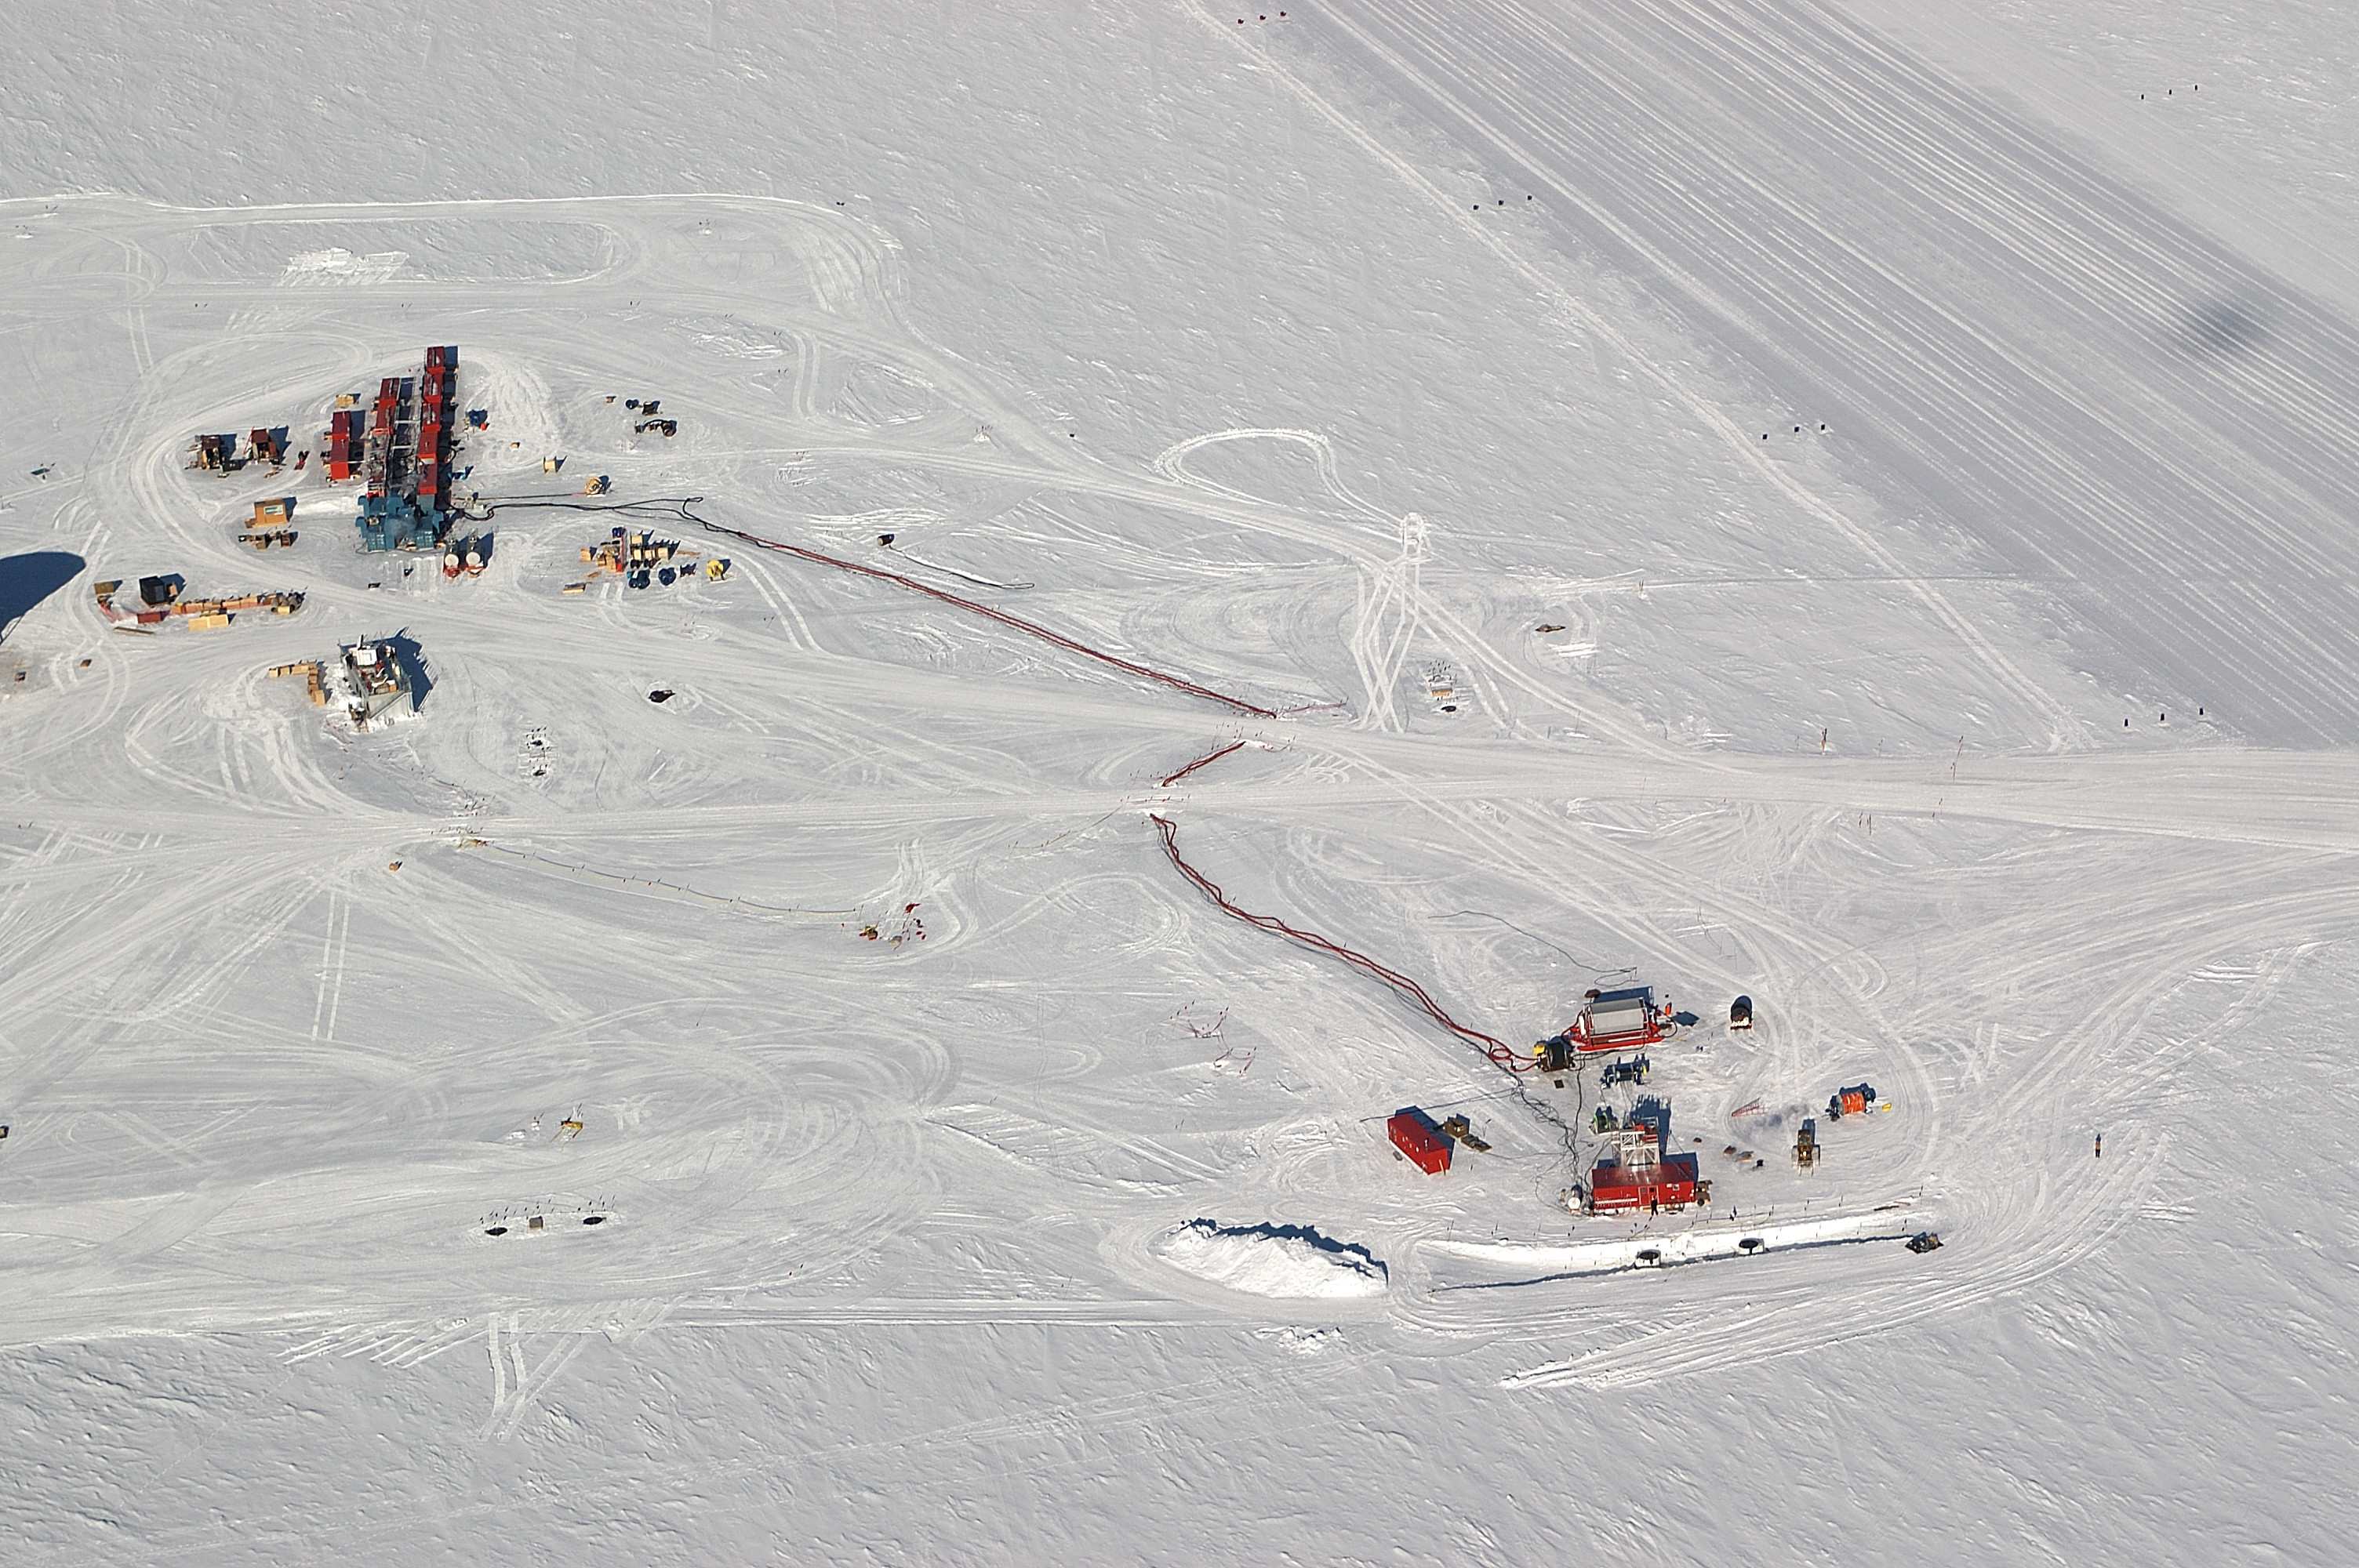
1414 1134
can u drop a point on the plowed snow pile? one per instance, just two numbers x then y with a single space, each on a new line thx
1273 1261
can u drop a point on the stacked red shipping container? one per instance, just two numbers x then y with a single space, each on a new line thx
343 439
376 459
433 448
377 448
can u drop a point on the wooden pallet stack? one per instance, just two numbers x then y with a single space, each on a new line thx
314 676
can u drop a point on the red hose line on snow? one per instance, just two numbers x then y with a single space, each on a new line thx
1496 1050
1210 757
987 612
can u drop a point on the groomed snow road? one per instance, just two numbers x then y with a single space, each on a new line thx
2110 403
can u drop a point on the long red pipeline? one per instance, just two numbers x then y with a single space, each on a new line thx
1029 629
1496 1050
1202 760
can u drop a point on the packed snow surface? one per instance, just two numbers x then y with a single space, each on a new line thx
1848 503
1272 1260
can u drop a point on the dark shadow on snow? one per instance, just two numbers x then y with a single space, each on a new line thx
1359 1255
413 667
27 579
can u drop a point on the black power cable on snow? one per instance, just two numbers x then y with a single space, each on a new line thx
667 508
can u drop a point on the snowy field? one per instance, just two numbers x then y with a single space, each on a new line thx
1828 500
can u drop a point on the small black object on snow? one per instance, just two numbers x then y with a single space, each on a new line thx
661 694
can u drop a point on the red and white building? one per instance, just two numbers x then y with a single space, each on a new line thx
1632 1173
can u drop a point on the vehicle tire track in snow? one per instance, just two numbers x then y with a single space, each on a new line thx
2045 379
499 1374
1578 313
331 968
2016 1188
